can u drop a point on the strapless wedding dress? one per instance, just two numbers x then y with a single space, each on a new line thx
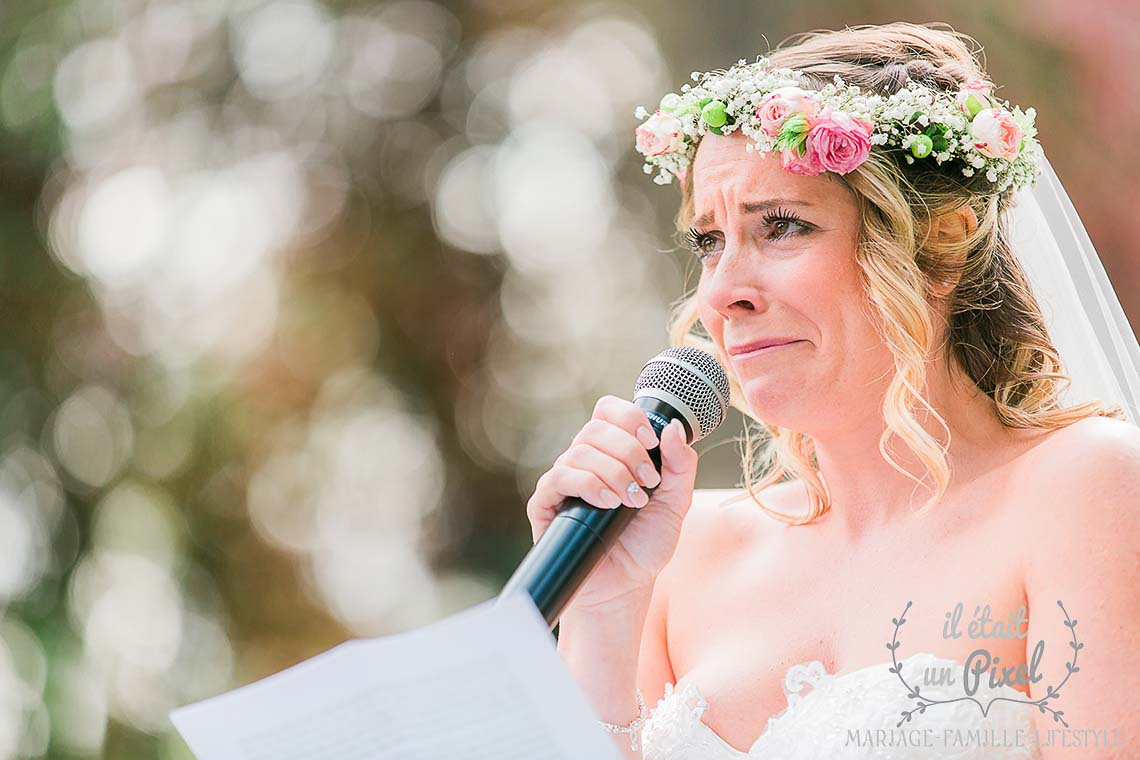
823 710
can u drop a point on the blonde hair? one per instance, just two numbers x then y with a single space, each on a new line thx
995 329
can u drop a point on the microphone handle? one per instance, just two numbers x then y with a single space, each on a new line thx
580 535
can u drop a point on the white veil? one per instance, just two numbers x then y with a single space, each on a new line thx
1082 313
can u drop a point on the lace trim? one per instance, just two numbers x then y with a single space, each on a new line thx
675 718
676 731
811 674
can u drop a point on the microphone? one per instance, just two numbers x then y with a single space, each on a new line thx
683 383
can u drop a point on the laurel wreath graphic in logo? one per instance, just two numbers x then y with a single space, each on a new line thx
923 701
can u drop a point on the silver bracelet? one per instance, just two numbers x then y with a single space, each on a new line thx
634 727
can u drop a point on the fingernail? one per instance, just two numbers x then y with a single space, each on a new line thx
647 437
637 497
647 475
610 499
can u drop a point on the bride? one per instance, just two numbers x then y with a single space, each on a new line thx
918 481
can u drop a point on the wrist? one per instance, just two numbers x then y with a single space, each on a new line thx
632 727
631 603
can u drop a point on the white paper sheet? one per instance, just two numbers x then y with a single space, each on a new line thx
484 684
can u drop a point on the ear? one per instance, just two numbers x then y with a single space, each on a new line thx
955 226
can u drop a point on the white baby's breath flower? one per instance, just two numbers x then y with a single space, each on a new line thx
744 87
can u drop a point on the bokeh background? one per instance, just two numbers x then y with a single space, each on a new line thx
300 298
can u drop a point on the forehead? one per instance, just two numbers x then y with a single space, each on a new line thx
726 174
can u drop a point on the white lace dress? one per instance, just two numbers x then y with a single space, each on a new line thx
823 710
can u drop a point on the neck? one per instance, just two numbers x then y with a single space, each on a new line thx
867 493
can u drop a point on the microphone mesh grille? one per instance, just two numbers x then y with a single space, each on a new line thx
682 371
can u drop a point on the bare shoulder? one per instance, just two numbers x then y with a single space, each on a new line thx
1096 452
1085 476
723 521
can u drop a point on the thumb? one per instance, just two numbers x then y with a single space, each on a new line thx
678 466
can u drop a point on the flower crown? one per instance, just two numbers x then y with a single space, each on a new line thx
833 128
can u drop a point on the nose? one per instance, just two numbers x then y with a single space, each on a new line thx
733 286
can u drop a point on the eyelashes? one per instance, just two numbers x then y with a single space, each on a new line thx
697 240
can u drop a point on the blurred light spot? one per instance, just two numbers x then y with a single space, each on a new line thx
23 549
554 198
393 74
498 55
233 219
92 435
123 222
281 505
352 492
37 732
81 707
623 56
142 700
550 313
530 374
27 475
487 116
130 613
28 658
283 47
23 729
162 37
578 102
139 520
95 83
346 577
431 21
205 663
470 406
237 326
464 212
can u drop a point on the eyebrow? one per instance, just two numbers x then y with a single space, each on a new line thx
751 207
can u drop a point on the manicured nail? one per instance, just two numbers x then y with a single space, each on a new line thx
647 437
637 497
610 499
647 475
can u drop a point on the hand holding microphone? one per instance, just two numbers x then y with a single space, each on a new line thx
607 455
591 548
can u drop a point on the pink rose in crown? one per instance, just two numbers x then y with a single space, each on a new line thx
807 164
778 104
979 89
660 134
996 134
839 141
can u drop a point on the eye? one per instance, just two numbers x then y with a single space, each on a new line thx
779 224
782 221
700 243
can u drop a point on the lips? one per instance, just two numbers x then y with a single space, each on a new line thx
756 345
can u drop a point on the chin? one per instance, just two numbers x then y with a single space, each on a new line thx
778 402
